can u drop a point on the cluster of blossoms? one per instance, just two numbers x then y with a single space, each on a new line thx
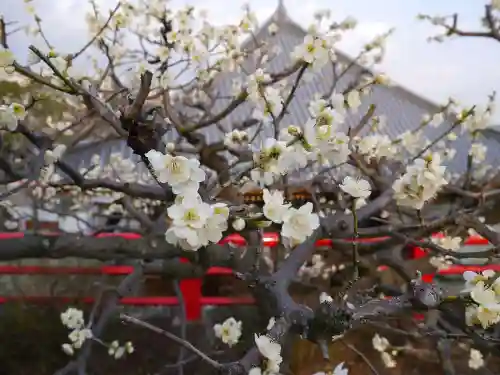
421 182
484 292
117 351
271 351
73 319
382 345
388 352
195 223
297 224
10 115
476 360
448 243
317 141
50 158
318 267
236 139
229 332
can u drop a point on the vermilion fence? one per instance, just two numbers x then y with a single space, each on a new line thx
191 289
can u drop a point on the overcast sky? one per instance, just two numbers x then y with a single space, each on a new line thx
463 68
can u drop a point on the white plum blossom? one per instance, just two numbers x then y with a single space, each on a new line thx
236 139
299 224
478 152
388 360
51 156
325 298
274 206
72 318
485 295
271 323
476 360
354 100
79 336
472 278
238 224
270 350
448 242
421 182
380 344
489 305
270 160
196 223
229 332
313 50
68 349
375 146
10 115
269 103
357 188
188 218
181 173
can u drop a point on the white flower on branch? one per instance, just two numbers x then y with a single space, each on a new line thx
271 351
298 224
68 349
476 360
117 351
356 188
238 224
236 139
10 115
313 50
79 336
188 218
269 103
375 146
72 318
448 242
181 173
472 278
274 207
388 360
421 182
229 331
51 156
478 152
353 100
271 323
380 343
325 298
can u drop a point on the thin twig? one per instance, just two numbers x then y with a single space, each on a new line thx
172 337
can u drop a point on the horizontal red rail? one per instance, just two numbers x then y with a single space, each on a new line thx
136 301
270 239
191 288
103 270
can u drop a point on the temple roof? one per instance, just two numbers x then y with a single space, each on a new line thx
403 109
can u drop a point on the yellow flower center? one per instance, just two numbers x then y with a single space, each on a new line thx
191 215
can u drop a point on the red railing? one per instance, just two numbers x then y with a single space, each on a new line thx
191 289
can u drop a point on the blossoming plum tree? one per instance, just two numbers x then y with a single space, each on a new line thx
174 65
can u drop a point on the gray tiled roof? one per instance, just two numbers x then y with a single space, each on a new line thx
403 109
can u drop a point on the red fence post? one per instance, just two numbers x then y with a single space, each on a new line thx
191 293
